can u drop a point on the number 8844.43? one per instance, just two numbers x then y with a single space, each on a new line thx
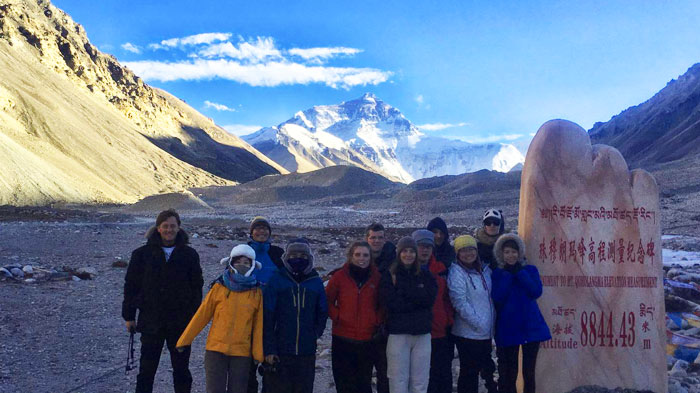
597 329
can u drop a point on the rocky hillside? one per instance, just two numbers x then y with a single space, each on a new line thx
474 192
76 126
338 181
664 128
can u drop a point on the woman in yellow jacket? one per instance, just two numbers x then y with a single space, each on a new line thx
235 304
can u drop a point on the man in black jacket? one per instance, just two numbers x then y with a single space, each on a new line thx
164 283
383 254
383 251
486 236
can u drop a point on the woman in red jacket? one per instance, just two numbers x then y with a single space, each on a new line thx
353 308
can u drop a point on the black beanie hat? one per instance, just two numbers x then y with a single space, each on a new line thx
260 221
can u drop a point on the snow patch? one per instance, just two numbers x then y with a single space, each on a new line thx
267 134
507 157
679 257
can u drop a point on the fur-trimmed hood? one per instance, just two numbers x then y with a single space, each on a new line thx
153 237
498 248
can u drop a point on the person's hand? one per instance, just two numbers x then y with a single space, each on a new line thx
271 359
131 326
180 349
380 333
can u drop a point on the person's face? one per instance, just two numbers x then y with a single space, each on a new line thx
407 256
376 240
439 237
168 230
242 264
360 257
510 255
260 233
467 255
424 253
492 226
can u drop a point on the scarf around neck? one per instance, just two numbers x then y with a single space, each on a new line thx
237 282
483 237
359 274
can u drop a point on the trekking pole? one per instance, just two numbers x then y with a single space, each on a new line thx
130 352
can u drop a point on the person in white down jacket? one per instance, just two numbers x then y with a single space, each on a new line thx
469 284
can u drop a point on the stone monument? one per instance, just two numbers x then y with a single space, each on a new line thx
592 228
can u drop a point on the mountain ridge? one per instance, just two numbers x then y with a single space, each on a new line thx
338 182
664 128
76 126
371 134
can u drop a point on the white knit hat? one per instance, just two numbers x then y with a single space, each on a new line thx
242 250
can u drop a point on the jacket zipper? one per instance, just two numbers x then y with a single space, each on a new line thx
297 301
298 316
357 312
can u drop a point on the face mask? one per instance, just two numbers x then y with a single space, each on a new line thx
241 268
298 264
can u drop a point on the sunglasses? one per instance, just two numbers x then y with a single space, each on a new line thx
492 222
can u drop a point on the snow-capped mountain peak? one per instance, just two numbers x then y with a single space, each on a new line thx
369 133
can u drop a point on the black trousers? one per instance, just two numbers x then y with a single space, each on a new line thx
474 359
253 378
441 354
151 348
380 364
508 367
352 365
295 374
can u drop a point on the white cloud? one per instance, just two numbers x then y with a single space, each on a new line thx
256 62
439 126
256 51
197 39
129 47
268 74
218 107
320 55
241 129
419 99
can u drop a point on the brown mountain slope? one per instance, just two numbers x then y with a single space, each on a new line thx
76 126
339 181
664 128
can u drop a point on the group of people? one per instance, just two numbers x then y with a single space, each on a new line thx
397 310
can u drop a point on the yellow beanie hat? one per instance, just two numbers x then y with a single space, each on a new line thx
464 241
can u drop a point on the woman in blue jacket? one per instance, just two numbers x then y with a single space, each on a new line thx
519 322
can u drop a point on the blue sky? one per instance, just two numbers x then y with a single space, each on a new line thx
478 71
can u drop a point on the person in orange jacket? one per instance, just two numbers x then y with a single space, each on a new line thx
354 309
235 303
